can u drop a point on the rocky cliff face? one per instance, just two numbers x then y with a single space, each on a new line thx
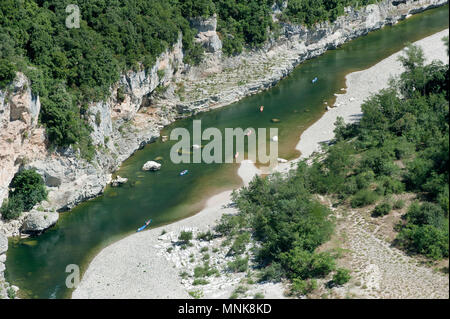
144 102
21 140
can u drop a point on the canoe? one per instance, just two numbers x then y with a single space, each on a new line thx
147 223
184 172
314 80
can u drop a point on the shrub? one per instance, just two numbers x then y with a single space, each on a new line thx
392 186
273 273
303 287
120 94
205 271
27 189
200 281
98 119
342 276
239 244
427 240
258 295
426 214
12 208
206 236
364 179
228 224
363 198
196 294
29 186
185 237
399 204
304 264
11 293
184 275
240 264
382 209
7 72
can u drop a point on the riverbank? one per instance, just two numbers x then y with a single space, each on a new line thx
143 265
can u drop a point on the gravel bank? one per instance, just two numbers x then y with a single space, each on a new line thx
135 268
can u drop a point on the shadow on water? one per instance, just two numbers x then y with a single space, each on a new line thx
37 265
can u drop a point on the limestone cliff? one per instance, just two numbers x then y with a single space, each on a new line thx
143 102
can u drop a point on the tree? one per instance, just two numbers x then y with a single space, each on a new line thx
28 186
7 72
341 277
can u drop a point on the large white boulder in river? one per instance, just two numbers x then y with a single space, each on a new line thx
37 222
151 166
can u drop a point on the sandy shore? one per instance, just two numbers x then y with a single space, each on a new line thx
134 266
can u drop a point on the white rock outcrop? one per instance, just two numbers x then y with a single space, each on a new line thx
37 222
118 181
151 166
3 244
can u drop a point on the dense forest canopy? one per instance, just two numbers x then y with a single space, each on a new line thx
71 67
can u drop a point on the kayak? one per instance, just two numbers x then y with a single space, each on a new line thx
184 172
314 80
148 222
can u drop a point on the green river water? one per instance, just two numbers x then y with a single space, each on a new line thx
37 265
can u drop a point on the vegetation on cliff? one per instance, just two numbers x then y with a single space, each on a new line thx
27 189
310 12
69 68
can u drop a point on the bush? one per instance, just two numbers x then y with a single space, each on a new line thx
399 204
205 271
200 281
27 189
7 73
382 209
258 295
239 244
342 276
303 287
392 186
12 208
240 264
11 293
364 179
303 264
427 240
185 237
426 231
228 224
272 273
196 294
206 236
426 214
363 198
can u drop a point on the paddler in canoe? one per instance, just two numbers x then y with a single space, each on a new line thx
148 222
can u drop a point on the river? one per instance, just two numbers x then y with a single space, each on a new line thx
37 265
